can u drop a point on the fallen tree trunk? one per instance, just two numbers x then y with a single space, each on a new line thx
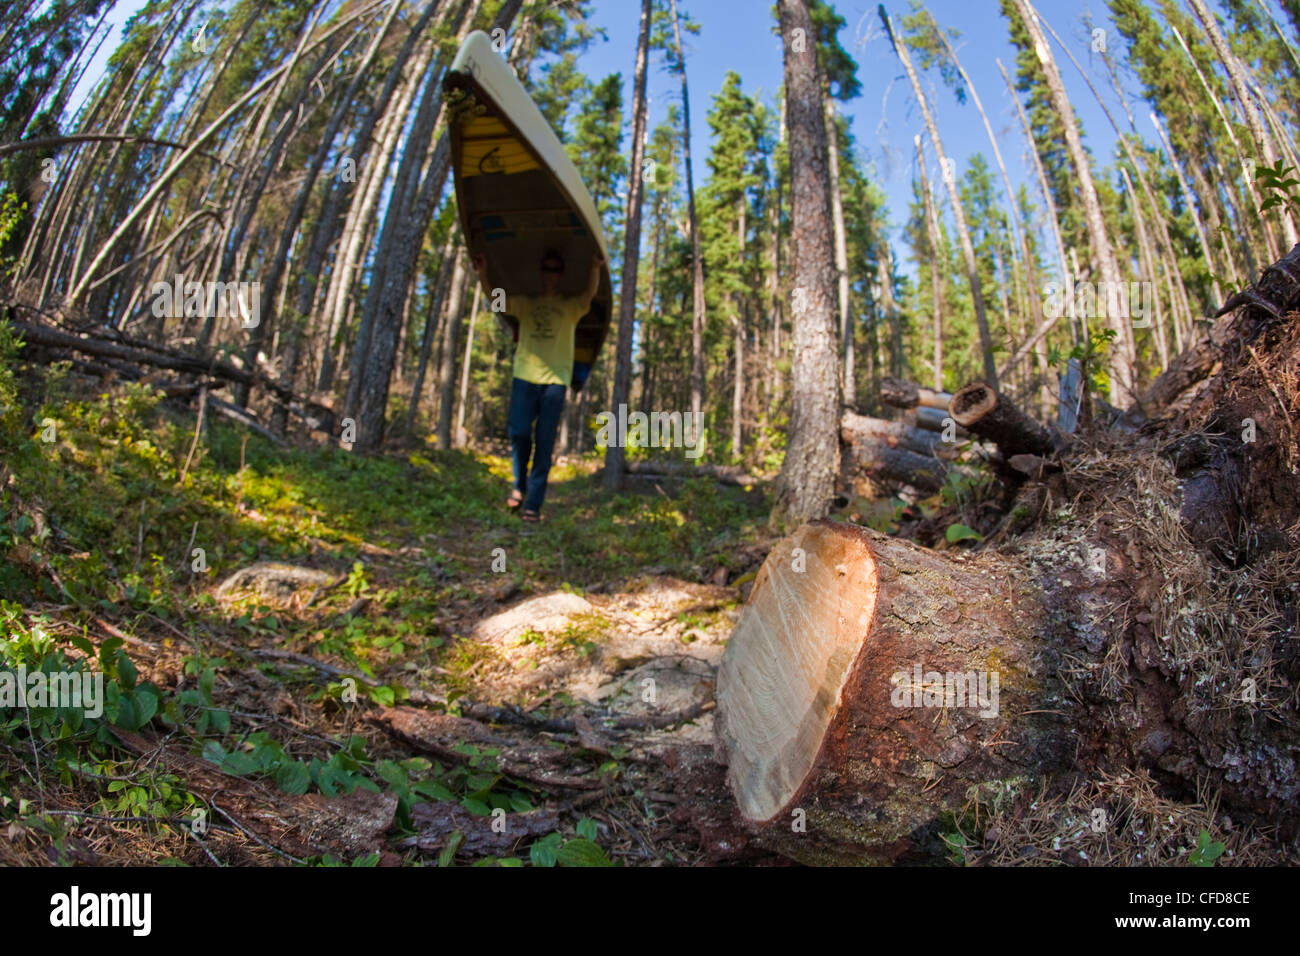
724 474
875 694
53 339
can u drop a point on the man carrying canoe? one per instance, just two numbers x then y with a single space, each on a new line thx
542 371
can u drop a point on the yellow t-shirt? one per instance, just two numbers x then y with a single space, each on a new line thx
544 354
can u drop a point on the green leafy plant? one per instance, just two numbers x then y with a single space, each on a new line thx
1206 851
1281 187
554 850
958 532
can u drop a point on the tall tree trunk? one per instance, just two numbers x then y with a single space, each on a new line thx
447 368
1022 242
697 257
954 195
1270 242
1148 268
80 286
806 483
1122 359
464 373
409 213
1192 208
936 274
738 388
437 296
1053 217
1157 218
774 345
615 453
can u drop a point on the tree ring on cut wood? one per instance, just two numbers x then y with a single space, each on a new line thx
972 403
780 690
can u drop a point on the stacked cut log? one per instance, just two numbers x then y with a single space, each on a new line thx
911 451
892 453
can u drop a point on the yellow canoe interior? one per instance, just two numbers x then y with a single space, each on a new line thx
512 209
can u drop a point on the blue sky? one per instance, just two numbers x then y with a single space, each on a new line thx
737 35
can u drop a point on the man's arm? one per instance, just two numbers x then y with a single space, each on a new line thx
593 283
480 269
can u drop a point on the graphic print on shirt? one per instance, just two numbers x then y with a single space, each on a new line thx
545 317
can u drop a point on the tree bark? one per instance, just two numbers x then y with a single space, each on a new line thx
841 252
451 335
461 437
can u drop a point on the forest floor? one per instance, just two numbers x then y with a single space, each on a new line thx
379 665
316 657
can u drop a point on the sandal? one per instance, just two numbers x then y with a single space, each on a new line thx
531 516
515 500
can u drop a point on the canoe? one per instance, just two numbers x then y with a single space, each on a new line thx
517 192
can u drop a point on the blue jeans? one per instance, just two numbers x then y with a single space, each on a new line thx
530 402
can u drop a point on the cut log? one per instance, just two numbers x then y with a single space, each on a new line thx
873 692
991 415
845 630
936 420
902 394
856 428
